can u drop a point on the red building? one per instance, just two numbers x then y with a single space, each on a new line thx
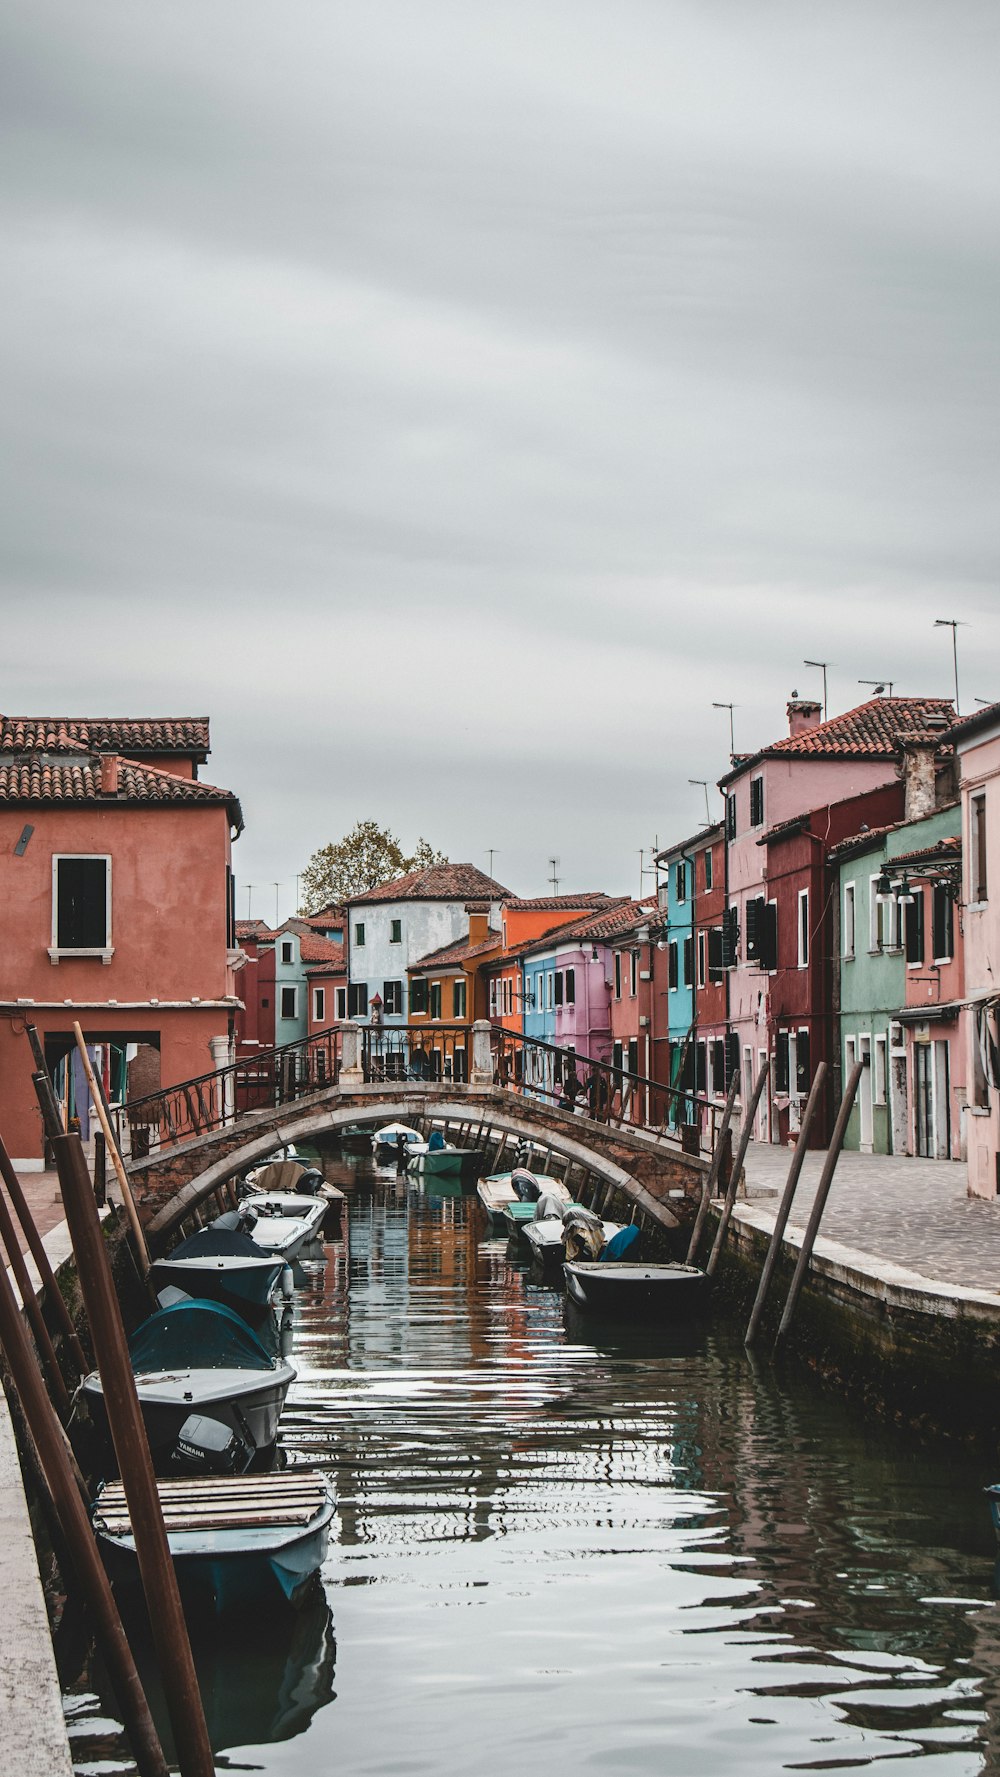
711 954
117 891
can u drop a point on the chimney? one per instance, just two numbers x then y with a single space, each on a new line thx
109 774
803 714
479 925
919 779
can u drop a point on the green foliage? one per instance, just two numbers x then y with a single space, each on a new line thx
364 858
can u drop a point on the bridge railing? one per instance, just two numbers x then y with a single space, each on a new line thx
600 1091
417 1052
264 1081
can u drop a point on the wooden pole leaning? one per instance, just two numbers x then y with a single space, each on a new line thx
97 1099
156 1568
52 1292
40 1332
710 1182
53 1456
819 1202
784 1207
745 1132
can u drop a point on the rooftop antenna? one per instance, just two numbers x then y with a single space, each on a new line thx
703 781
954 624
554 878
250 888
277 886
822 664
491 849
730 707
879 686
984 700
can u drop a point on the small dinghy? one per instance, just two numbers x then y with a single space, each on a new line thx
235 1541
294 1163
210 1394
386 1143
224 1265
627 1289
285 1221
497 1193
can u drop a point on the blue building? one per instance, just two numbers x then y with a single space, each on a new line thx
676 903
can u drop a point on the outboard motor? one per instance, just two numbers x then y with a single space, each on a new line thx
309 1183
525 1185
237 1221
208 1447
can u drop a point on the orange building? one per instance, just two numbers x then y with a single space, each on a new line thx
446 987
117 891
521 921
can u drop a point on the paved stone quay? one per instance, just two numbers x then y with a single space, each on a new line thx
915 1214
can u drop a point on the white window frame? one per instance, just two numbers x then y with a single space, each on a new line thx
803 928
283 988
287 952
341 1004
702 958
849 928
460 985
319 1005
977 825
106 950
880 1071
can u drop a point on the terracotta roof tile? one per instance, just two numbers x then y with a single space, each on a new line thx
459 952
41 778
441 882
560 903
606 922
314 949
124 734
253 928
875 730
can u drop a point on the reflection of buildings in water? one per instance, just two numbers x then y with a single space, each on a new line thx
985 1659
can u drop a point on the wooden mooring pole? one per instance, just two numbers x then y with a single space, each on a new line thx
784 1207
745 1133
52 1296
97 1099
819 1203
128 1434
26 1291
709 1183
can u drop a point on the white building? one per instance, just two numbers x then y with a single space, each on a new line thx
395 925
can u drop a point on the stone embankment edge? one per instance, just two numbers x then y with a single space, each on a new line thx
35 1740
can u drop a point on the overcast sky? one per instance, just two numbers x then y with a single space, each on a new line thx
452 400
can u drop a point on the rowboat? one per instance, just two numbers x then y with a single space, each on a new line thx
497 1193
630 1288
447 1162
220 1265
236 1541
285 1221
546 1236
210 1394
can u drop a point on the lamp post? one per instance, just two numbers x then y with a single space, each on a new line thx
954 624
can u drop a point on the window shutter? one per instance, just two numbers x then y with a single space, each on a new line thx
716 952
571 987
754 917
732 1056
943 936
701 1067
559 987
730 937
718 1064
730 817
803 1071
781 1061
915 928
672 964
769 935
689 961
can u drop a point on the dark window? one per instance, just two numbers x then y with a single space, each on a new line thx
633 1055
418 994
756 802
341 1002
718 1064
781 1061
977 846
943 928
571 987
616 1057
762 933
434 1004
618 974
392 996
319 1005
287 951
82 903
730 817
559 987
395 931
730 937
689 961
289 1002
732 1057
716 953
458 999
680 881
230 909
708 869
265 1002
359 935
803 1072
914 917
701 1066
357 999
672 963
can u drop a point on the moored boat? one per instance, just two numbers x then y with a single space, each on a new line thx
496 1193
547 1235
631 1288
235 1541
387 1140
220 1265
285 1221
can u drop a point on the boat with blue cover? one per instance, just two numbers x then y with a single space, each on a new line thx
236 1541
220 1265
210 1393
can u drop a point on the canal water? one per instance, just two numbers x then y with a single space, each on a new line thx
569 1545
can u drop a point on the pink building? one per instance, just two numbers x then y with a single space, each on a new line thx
817 764
977 743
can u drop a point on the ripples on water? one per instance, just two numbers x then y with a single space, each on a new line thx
616 1551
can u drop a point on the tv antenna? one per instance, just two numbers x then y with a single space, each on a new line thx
822 664
879 686
250 888
554 862
703 782
730 707
954 624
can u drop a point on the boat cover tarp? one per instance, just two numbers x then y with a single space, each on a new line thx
583 1233
622 1244
547 1205
525 1185
196 1335
219 1243
436 1142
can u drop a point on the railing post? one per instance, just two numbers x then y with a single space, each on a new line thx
352 1072
481 1073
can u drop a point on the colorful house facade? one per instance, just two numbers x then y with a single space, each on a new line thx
977 742
396 925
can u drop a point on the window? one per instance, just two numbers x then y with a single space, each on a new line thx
357 999
708 869
913 927
716 953
617 1054
733 1060
493 997
230 908
689 961
633 972
762 933
571 987
559 987
633 1055
458 1003
81 911
879 1072
341 1002
618 974
418 994
392 997
781 1061
803 928
756 802
847 938
319 1005
731 817
289 1002
803 1072
395 931
701 1067
434 1002
942 924
680 881
461 1065
549 989
885 920
287 950
718 1066
359 935
977 847
672 964
702 958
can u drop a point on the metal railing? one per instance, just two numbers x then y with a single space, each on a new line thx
434 1051
212 1101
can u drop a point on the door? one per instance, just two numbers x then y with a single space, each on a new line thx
923 1093
942 1101
867 1130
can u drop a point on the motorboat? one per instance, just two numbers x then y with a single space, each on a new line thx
443 1159
632 1289
496 1193
386 1143
294 1176
220 1264
560 1230
286 1222
236 1541
210 1393
286 1156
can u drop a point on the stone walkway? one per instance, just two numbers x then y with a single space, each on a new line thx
42 1192
914 1213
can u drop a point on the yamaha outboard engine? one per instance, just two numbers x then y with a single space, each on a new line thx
525 1185
237 1221
208 1447
309 1182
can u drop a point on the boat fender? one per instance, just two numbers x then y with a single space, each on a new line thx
287 1283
